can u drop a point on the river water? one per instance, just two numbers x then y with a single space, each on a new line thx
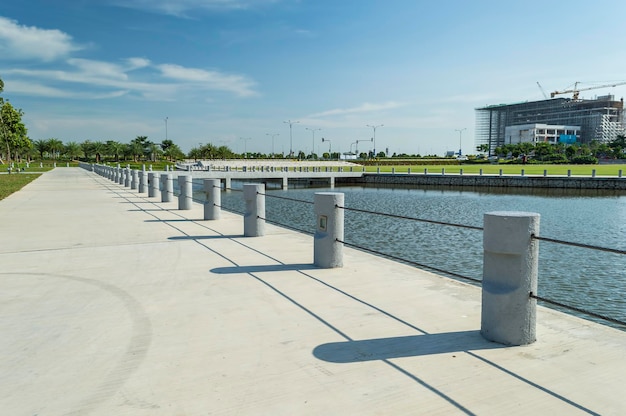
583 278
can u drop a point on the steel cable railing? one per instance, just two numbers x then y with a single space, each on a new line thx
475 280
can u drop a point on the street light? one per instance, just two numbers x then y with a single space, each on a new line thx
330 147
245 150
374 138
273 135
460 138
290 136
313 146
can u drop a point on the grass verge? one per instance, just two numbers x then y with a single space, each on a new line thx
13 183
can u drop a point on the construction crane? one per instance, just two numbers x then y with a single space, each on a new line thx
542 90
576 91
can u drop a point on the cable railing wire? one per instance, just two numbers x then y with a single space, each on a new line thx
403 217
286 198
411 262
433 268
286 226
576 309
581 245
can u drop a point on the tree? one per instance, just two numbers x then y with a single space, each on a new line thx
99 148
173 152
115 149
41 146
72 150
55 147
87 148
12 130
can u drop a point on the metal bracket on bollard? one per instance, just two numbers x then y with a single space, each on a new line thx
327 248
510 266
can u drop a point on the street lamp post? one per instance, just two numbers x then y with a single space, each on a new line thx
374 137
245 150
460 139
330 147
291 123
273 135
313 144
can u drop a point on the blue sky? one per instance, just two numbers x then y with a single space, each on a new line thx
233 71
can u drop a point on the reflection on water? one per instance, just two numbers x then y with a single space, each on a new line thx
579 277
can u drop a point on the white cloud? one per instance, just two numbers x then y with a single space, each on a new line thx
363 108
99 69
30 88
181 7
28 42
213 80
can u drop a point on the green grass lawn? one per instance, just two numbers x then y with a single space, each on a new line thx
488 169
14 182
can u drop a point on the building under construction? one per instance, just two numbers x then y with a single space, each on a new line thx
599 119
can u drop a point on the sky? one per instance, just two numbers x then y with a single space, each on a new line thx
236 72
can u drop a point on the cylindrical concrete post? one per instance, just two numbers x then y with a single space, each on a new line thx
153 184
593 173
212 188
285 184
522 172
127 177
143 182
167 187
227 184
480 172
569 173
186 192
327 250
545 172
254 216
500 172
619 173
510 266
134 179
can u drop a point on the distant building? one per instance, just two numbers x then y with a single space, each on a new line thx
599 119
536 133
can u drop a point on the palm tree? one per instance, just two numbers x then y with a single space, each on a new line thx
115 148
72 150
55 146
99 148
41 146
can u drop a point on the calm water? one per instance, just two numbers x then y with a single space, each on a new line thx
588 279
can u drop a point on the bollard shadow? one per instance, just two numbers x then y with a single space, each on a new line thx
400 347
263 268
203 237
172 220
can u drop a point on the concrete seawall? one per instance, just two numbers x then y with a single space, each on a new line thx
562 182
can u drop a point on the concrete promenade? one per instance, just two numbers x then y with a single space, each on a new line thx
113 303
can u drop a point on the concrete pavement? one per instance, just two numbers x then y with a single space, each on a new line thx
112 303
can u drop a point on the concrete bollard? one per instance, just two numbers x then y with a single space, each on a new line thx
408 171
327 251
167 187
153 184
127 177
619 173
393 171
510 265
254 216
545 172
143 182
212 207
443 171
569 173
134 179
593 173
500 172
480 171
425 171
185 186
522 172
